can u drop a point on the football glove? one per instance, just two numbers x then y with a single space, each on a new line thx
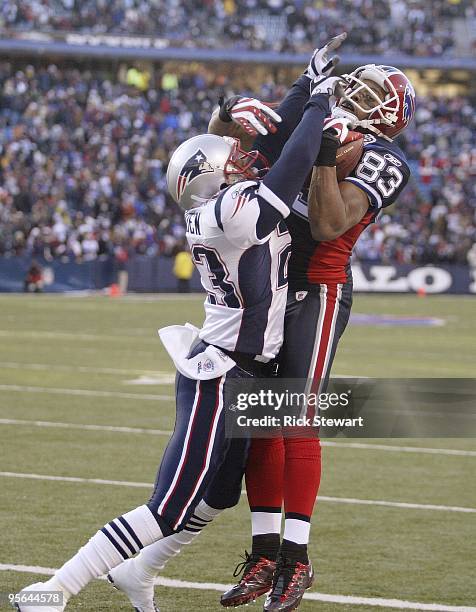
329 86
339 127
320 64
334 134
251 114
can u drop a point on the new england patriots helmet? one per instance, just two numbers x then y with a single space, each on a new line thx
203 165
389 116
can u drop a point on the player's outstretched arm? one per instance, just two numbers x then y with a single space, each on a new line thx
287 176
249 212
333 208
291 108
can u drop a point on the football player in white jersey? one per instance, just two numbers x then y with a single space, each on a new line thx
238 241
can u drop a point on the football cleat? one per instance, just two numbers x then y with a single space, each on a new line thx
138 590
256 580
290 580
33 605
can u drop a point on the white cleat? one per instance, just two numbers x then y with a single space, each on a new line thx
138 590
32 600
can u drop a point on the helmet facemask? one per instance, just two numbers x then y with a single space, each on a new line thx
242 165
383 111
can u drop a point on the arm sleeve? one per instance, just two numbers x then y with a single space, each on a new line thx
287 176
290 110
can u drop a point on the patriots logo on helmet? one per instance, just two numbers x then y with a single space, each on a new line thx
196 165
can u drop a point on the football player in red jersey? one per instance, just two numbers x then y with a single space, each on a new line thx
324 225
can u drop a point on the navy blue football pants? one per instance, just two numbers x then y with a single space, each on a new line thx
315 321
196 451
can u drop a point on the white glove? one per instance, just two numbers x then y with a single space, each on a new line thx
338 127
329 86
251 114
320 64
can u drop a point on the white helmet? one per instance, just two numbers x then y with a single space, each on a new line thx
387 117
203 165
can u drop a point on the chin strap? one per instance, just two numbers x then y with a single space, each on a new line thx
371 127
367 124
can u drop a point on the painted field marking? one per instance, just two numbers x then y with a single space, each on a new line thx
322 498
164 432
85 392
112 428
402 449
378 602
14 365
40 335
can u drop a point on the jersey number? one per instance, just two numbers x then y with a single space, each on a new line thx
225 291
283 267
372 166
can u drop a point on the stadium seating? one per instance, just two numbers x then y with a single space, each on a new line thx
82 160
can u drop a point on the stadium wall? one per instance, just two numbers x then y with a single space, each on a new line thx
120 47
155 274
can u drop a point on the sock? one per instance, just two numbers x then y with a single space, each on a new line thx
302 475
153 557
116 541
297 528
266 545
295 552
264 487
264 473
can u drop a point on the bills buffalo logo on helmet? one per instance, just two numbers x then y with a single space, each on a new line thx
408 104
196 165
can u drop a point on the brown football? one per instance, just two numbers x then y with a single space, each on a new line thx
349 154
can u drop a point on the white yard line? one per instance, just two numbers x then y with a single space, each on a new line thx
85 392
402 449
378 602
14 365
40 335
113 428
163 432
117 483
322 498
392 504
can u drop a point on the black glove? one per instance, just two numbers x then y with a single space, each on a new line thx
328 151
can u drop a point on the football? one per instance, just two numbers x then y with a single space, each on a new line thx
349 154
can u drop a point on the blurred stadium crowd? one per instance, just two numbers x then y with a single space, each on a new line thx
83 160
416 27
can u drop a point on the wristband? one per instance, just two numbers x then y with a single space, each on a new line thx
328 151
225 108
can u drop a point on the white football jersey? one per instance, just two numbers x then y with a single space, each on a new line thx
244 275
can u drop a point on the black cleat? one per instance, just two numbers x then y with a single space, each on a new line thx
290 580
256 580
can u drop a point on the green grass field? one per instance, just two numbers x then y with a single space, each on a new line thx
67 360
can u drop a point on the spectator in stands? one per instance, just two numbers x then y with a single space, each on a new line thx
83 160
416 27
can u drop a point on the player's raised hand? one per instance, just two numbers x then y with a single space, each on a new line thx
329 86
320 64
338 127
251 114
